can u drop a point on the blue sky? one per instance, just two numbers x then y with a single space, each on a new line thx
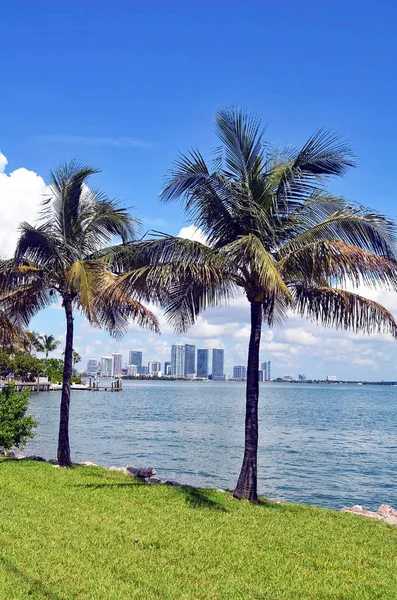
126 87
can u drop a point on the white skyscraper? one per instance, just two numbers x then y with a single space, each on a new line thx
92 367
106 366
117 364
132 370
154 368
178 360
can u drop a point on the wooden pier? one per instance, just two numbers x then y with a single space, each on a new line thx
46 386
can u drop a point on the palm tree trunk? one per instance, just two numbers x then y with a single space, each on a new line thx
247 482
63 439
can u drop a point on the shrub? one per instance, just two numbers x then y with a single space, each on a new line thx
15 426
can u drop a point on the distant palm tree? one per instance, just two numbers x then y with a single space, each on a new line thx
76 358
48 344
66 256
35 342
272 231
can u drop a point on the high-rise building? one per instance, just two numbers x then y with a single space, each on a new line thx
218 356
92 367
190 359
178 360
264 369
106 366
143 370
202 362
154 368
239 372
117 364
261 375
135 358
302 377
167 368
132 370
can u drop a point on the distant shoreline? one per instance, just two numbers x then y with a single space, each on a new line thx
294 381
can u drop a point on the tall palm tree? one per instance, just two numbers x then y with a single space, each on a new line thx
274 232
48 344
65 257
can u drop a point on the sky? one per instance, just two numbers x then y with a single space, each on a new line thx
126 86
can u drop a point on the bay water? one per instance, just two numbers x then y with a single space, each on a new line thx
327 445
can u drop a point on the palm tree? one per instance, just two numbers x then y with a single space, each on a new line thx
76 357
274 232
65 257
35 342
48 344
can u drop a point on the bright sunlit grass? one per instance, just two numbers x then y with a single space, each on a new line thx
91 534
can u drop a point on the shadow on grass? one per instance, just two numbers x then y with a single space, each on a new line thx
95 486
200 498
36 586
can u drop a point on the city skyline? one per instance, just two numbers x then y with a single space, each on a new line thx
180 355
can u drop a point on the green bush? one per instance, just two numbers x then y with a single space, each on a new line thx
15 426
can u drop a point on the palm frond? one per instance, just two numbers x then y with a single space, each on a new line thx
369 231
338 308
247 254
241 134
40 246
323 155
67 186
116 317
340 262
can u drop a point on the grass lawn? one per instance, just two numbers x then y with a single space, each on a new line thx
91 534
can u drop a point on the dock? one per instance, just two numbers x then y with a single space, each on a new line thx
46 386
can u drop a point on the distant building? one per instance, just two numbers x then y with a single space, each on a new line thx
331 378
132 370
143 370
218 356
106 366
178 360
92 367
117 364
265 367
239 372
167 368
135 358
202 362
261 375
288 378
302 377
190 359
154 368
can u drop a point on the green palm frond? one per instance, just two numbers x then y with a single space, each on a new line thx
116 316
241 134
255 264
68 186
369 231
41 246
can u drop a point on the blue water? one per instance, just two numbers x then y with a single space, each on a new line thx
328 445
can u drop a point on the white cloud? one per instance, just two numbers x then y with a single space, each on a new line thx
21 193
192 232
364 362
299 335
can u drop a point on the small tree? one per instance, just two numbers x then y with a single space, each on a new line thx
15 426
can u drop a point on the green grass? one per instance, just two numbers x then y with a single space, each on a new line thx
91 534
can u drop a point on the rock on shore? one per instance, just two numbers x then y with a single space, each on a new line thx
385 513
